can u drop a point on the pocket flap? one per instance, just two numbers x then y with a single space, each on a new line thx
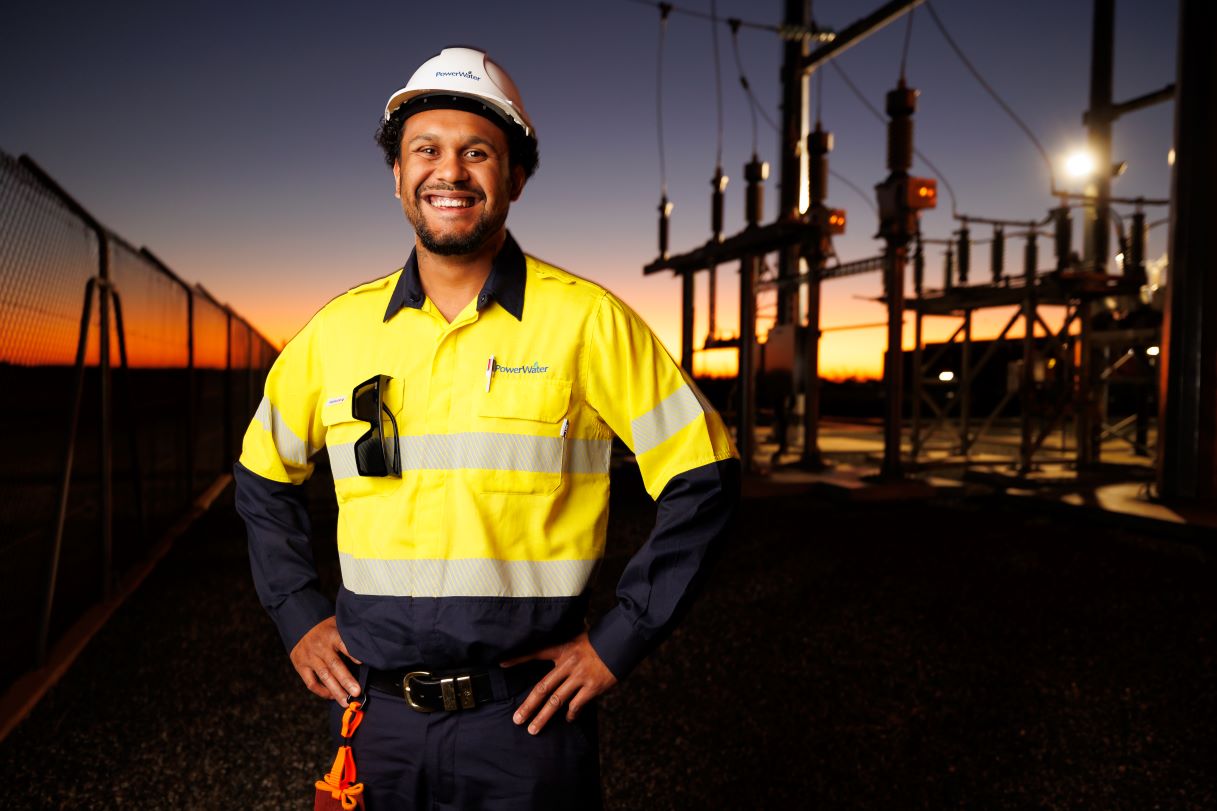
538 399
336 407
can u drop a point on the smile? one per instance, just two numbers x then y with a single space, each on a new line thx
449 202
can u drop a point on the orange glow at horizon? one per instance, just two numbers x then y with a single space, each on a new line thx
845 354
855 352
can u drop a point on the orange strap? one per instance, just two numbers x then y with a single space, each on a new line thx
340 781
351 719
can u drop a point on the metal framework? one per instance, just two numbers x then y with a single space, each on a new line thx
1063 374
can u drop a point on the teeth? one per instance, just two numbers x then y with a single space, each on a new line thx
451 202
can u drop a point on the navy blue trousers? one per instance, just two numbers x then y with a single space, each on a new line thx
472 759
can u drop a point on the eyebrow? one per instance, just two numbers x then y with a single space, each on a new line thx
470 141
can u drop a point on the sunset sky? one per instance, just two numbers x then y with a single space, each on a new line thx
235 139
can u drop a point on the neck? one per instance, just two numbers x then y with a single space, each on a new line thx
452 281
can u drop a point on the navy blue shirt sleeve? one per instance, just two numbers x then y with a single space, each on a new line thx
696 511
280 555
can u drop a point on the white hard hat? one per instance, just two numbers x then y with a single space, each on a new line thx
468 73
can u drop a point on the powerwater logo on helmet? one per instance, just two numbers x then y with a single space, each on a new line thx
464 74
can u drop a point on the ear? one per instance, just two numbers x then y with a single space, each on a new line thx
397 179
517 182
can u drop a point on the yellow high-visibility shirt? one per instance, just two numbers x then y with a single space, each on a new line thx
505 418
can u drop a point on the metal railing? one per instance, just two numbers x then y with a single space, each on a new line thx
125 392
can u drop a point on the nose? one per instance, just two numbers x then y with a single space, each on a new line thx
451 168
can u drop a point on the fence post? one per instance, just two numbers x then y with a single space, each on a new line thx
228 460
48 602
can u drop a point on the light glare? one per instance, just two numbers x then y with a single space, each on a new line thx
1080 164
947 376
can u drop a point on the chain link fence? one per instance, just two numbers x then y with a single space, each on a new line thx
124 394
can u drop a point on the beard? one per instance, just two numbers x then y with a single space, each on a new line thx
487 225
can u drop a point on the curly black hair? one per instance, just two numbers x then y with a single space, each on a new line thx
522 149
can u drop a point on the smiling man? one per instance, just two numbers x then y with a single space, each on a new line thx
468 403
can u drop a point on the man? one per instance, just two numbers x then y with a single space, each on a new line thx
467 403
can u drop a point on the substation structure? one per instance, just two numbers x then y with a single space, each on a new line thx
1061 378
1114 332
805 236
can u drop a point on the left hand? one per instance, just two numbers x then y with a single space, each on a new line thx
579 675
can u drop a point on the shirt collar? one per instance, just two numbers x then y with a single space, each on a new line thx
505 284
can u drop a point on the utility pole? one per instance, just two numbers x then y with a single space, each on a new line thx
793 166
1098 120
755 173
900 198
1096 221
817 248
1187 424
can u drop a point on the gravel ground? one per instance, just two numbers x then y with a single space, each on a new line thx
924 655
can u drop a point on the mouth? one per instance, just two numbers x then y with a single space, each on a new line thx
449 201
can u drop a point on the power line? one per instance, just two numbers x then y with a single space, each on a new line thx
865 197
713 18
664 10
993 93
819 95
754 106
718 84
883 120
908 35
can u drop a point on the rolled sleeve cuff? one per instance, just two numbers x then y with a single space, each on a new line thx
299 613
617 644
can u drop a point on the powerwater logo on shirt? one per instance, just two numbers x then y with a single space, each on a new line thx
533 369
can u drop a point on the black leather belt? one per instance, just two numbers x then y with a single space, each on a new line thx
451 690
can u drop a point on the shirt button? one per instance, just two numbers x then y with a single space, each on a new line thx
482 299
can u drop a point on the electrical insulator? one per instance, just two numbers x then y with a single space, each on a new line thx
1030 254
997 259
948 270
965 253
918 267
719 184
819 144
836 221
1063 233
755 173
922 193
665 214
901 104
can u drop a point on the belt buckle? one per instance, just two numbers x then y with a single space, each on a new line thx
405 683
455 691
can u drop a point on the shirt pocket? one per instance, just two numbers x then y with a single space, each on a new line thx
521 442
342 431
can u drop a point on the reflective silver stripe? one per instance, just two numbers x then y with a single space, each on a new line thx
673 413
342 460
487 451
472 577
291 448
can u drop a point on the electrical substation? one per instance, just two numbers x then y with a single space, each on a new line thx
1122 392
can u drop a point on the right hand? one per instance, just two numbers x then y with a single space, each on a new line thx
315 658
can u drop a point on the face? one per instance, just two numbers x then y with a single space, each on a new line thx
455 180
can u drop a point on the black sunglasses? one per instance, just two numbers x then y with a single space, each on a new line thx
371 456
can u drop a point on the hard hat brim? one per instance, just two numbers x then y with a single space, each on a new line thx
506 112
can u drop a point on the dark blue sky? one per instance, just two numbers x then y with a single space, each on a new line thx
235 139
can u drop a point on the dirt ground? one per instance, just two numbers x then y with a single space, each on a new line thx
919 655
